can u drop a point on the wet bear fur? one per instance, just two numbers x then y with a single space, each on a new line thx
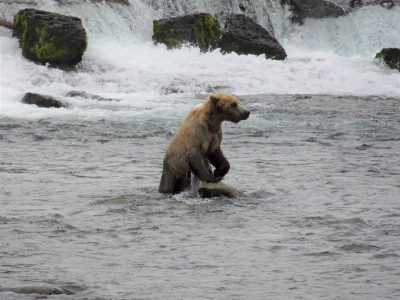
197 144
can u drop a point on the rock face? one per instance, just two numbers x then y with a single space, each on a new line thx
201 30
302 9
42 100
52 38
391 56
220 189
244 36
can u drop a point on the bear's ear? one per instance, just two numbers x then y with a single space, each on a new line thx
216 103
214 100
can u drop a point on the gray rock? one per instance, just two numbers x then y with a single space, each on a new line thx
85 95
220 189
317 9
42 100
244 36
39 290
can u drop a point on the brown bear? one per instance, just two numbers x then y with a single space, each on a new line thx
197 144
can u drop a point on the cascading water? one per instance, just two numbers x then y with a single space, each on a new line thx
317 162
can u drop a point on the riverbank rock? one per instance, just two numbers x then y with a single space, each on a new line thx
202 30
47 37
391 56
220 189
316 9
42 101
244 36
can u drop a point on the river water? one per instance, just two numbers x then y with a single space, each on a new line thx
317 164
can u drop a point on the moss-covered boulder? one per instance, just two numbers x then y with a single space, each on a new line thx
201 30
244 36
47 37
391 56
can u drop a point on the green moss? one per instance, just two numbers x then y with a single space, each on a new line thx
45 47
162 34
20 26
207 32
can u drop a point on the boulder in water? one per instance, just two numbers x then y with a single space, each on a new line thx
42 101
202 30
47 37
316 9
244 36
391 56
220 189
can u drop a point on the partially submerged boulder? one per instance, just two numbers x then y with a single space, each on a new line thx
47 37
220 189
244 36
202 30
384 3
391 56
316 9
42 100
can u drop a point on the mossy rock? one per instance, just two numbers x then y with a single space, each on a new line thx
201 30
391 56
47 37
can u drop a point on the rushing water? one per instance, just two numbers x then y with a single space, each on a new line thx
317 163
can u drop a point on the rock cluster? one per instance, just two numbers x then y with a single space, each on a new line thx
240 35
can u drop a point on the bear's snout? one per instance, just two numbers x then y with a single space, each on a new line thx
246 115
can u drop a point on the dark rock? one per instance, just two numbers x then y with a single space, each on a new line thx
201 30
384 3
244 36
391 56
42 100
85 95
52 38
316 9
220 189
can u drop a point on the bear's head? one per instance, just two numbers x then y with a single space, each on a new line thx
227 107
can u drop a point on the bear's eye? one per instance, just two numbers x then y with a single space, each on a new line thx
234 105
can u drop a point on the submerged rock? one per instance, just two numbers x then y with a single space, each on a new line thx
201 30
244 36
85 95
384 3
47 37
209 190
42 101
39 290
391 56
316 9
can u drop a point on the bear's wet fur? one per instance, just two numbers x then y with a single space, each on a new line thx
197 144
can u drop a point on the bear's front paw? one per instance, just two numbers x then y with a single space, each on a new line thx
213 179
